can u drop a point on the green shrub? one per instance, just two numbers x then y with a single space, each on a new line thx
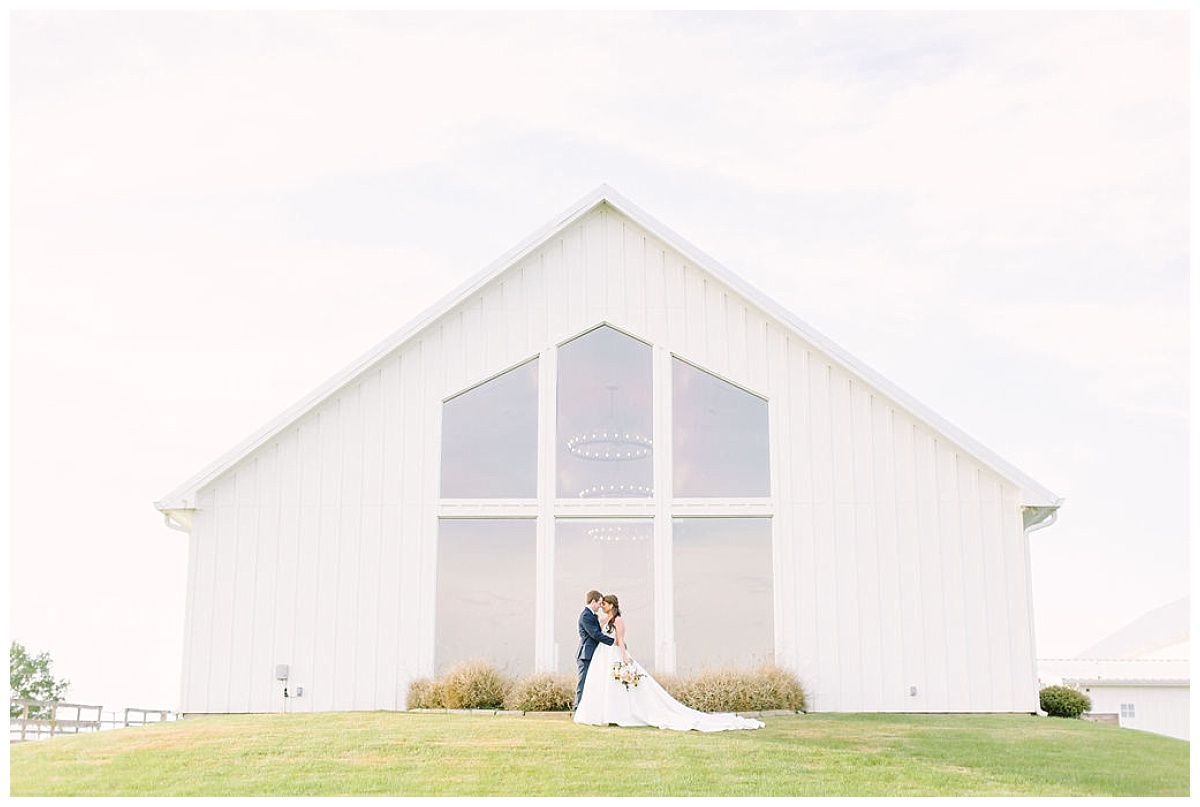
474 685
1060 701
763 689
542 692
425 694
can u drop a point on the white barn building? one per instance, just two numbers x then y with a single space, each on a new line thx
607 407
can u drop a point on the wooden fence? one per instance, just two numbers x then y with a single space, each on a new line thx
33 719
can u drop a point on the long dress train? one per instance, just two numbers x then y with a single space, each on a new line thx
607 701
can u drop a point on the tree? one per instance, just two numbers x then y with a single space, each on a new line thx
29 677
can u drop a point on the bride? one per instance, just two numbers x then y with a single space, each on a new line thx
619 691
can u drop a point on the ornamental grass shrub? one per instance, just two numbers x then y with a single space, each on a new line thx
779 687
1061 701
424 693
478 685
474 684
761 689
542 692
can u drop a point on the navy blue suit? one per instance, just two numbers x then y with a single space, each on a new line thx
590 635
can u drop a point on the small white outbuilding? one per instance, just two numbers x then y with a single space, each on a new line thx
1139 677
607 407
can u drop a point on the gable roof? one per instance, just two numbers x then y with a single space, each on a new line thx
1036 498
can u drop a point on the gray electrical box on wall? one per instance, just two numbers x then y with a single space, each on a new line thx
281 672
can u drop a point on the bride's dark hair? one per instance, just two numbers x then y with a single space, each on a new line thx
611 599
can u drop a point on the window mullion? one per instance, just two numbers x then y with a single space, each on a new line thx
545 657
720 506
664 602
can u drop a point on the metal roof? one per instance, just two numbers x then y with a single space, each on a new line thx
1034 495
1116 672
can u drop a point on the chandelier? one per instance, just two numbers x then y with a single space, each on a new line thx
615 491
610 447
613 446
620 532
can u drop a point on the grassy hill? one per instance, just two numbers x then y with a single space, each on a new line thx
437 754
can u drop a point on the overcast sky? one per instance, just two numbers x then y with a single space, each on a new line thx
211 214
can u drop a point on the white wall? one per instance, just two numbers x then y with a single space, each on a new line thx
900 560
1161 709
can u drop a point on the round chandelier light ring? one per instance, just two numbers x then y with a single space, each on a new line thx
616 491
611 446
619 532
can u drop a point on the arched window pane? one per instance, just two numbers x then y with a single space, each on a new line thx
724 605
486 587
489 438
719 435
613 557
605 417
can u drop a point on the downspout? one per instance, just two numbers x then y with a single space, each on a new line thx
1034 518
177 518
1046 522
175 525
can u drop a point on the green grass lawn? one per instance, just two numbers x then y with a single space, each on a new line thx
437 754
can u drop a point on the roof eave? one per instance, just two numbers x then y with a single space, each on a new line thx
1100 683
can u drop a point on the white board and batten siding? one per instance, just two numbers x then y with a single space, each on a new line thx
901 564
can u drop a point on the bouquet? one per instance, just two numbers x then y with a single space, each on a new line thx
627 674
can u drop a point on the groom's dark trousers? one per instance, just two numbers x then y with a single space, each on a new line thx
590 635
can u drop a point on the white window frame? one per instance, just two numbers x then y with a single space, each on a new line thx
662 508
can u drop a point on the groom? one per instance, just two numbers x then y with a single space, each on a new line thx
589 636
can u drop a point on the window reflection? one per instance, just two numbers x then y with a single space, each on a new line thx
486 588
724 610
605 420
720 436
613 557
489 438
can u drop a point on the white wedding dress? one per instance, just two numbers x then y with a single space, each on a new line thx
606 701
